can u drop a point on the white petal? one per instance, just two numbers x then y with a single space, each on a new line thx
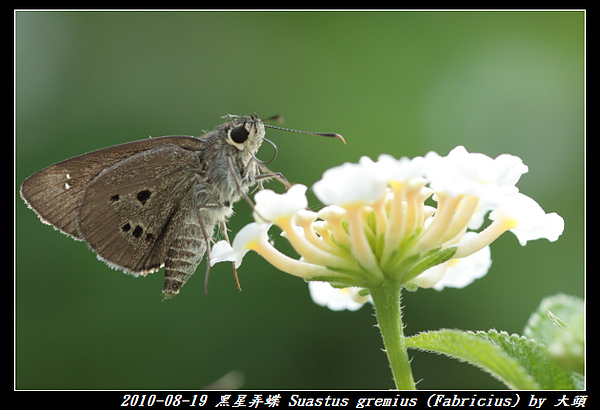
388 168
271 205
464 173
431 276
532 222
464 271
509 169
222 251
323 294
332 211
348 184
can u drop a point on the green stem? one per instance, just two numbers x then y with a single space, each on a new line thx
388 310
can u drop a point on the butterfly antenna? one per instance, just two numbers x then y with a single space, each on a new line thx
320 134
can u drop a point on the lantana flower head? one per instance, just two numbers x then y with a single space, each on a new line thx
379 223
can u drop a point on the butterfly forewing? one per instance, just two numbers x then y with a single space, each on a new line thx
63 184
64 194
55 192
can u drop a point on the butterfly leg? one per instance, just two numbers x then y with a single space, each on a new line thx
207 239
238 185
268 174
235 274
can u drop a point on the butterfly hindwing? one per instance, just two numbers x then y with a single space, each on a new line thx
129 209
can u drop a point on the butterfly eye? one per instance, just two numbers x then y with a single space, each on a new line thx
239 134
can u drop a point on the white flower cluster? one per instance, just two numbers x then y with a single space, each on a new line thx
376 225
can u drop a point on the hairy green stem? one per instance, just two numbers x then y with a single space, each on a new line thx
386 299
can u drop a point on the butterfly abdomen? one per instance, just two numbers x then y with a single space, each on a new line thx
184 256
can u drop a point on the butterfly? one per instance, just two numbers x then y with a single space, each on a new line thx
153 203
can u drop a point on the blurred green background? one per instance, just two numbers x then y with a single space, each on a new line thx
402 83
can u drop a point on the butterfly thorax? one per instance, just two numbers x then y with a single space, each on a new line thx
229 165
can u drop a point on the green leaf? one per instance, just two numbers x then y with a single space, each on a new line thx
534 357
558 324
517 361
430 259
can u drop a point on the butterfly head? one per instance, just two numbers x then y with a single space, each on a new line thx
245 133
